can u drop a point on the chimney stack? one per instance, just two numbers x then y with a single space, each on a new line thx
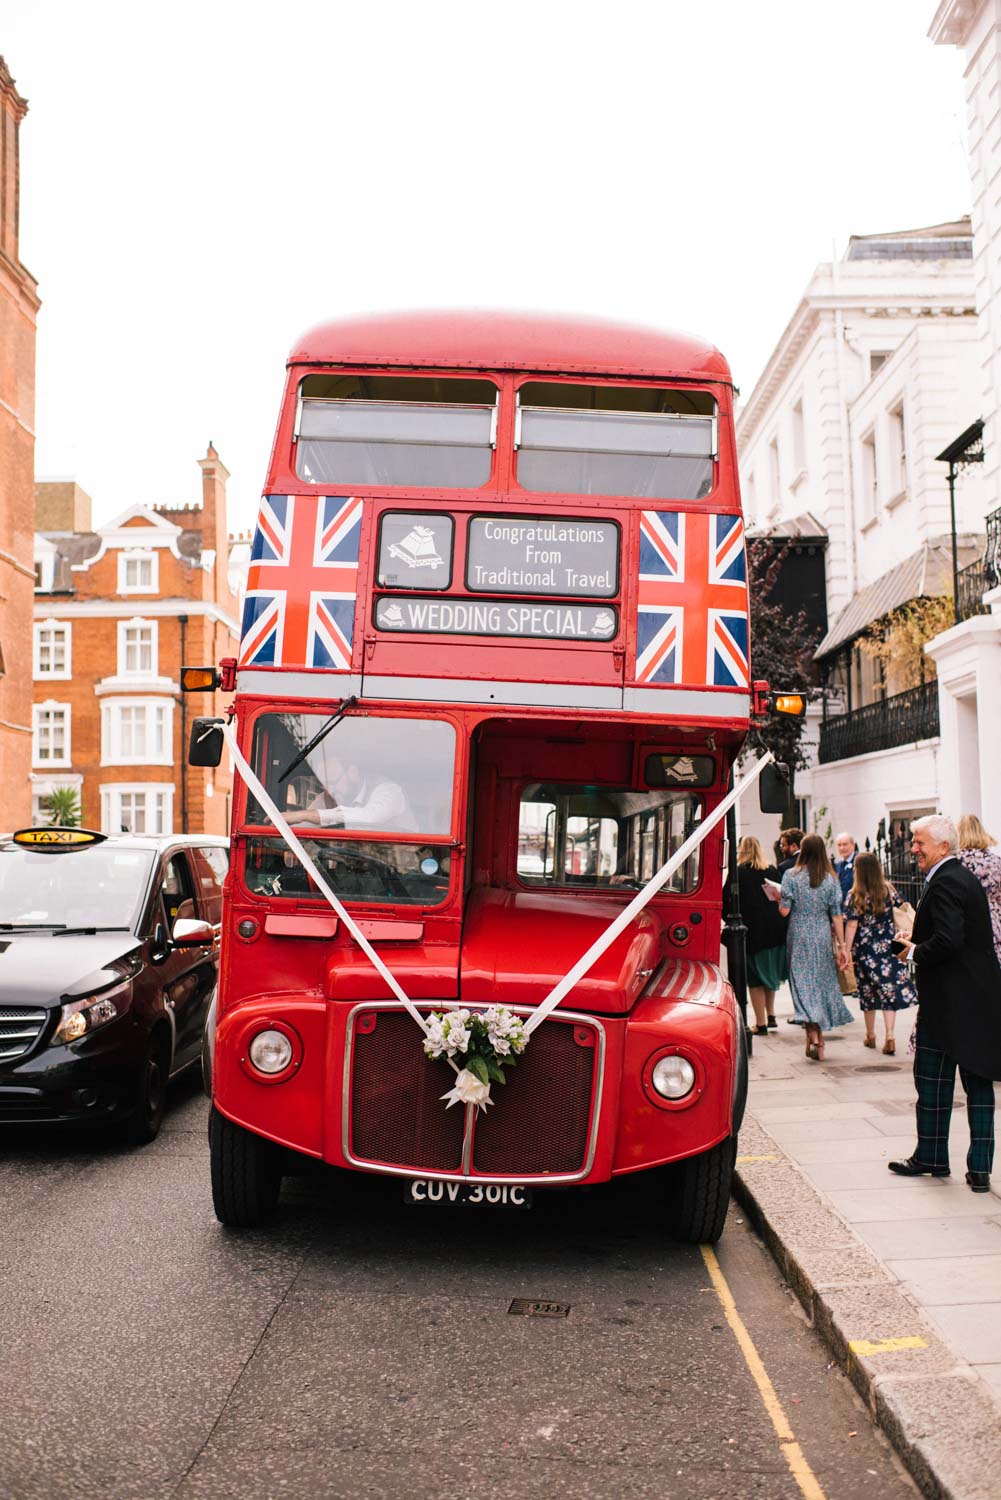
215 531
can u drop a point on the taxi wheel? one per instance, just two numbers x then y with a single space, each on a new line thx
149 1092
700 1194
246 1174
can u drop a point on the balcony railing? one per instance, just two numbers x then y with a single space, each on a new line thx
973 581
899 720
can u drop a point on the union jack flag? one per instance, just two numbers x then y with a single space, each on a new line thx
692 622
303 583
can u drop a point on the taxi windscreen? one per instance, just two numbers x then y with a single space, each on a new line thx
100 885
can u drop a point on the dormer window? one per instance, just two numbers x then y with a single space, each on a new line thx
137 573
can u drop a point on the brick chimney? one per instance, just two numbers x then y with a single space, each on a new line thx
215 532
14 110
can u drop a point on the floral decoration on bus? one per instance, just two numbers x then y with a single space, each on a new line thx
482 1044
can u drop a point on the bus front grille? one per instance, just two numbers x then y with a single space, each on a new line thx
539 1125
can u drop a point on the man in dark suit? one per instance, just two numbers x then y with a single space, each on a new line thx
844 865
789 842
959 1019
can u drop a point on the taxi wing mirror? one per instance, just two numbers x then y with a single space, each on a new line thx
205 742
775 788
191 933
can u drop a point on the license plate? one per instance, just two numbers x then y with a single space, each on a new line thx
467 1194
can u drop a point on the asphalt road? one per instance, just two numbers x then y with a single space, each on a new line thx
363 1348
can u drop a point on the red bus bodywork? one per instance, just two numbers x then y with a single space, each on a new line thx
580 1106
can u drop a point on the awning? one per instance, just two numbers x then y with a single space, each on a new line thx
926 573
803 526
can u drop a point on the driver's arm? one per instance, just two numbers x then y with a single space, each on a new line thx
386 802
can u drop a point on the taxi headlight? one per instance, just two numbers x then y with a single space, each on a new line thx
79 1018
270 1052
673 1077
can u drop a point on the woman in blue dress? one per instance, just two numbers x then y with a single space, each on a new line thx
882 979
811 899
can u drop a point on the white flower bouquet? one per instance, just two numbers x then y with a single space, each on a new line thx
481 1044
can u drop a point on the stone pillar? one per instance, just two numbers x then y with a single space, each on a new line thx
968 661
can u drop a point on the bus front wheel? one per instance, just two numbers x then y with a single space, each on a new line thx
699 1194
246 1174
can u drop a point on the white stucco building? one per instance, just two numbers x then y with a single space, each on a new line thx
968 657
876 373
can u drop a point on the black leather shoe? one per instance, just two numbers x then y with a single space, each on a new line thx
773 1025
980 1182
912 1168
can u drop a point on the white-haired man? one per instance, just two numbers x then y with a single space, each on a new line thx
844 865
959 1019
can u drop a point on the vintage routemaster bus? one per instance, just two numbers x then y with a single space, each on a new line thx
494 674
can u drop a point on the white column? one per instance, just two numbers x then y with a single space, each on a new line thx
968 660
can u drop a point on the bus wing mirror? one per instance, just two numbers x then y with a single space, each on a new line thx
775 788
205 743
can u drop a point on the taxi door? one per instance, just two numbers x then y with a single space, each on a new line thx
187 975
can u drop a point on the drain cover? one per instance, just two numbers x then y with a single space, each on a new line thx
529 1309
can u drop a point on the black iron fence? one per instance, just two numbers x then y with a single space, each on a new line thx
900 720
899 866
972 582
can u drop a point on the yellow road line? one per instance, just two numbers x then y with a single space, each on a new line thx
755 1158
794 1456
886 1346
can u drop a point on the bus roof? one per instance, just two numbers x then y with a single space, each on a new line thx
493 340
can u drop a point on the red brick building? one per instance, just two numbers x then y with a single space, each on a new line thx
18 310
118 610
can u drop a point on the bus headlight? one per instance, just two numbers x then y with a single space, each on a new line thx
673 1077
270 1052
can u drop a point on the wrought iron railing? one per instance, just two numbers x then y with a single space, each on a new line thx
900 720
972 582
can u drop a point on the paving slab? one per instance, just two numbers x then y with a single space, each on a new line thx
912 1238
901 1276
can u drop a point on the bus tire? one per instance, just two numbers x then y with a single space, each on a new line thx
246 1174
701 1194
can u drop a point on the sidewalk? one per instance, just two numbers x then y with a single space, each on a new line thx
901 1275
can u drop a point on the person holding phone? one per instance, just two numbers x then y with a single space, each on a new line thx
883 982
959 1015
767 964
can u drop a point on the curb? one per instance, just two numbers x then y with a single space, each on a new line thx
941 1418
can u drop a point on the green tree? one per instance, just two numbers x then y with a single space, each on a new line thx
63 807
782 647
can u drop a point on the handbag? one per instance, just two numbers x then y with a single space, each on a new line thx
847 983
903 919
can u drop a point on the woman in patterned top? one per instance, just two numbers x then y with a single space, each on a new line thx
975 853
883 983
811 898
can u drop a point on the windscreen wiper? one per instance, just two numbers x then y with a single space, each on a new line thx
321 734
31 926
75 931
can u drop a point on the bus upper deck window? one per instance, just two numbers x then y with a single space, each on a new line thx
395 430
614 440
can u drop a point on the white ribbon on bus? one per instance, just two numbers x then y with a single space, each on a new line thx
583 964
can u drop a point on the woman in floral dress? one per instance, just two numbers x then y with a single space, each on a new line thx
811 899
883 983
975 853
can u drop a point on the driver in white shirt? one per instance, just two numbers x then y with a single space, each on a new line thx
363 801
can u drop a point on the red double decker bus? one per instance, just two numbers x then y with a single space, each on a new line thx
494 675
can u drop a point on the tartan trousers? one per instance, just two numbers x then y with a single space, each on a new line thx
935 1081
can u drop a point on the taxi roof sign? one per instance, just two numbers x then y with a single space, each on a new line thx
57 840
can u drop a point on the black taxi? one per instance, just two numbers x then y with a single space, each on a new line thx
108 965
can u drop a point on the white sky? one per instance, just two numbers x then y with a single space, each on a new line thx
200 183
